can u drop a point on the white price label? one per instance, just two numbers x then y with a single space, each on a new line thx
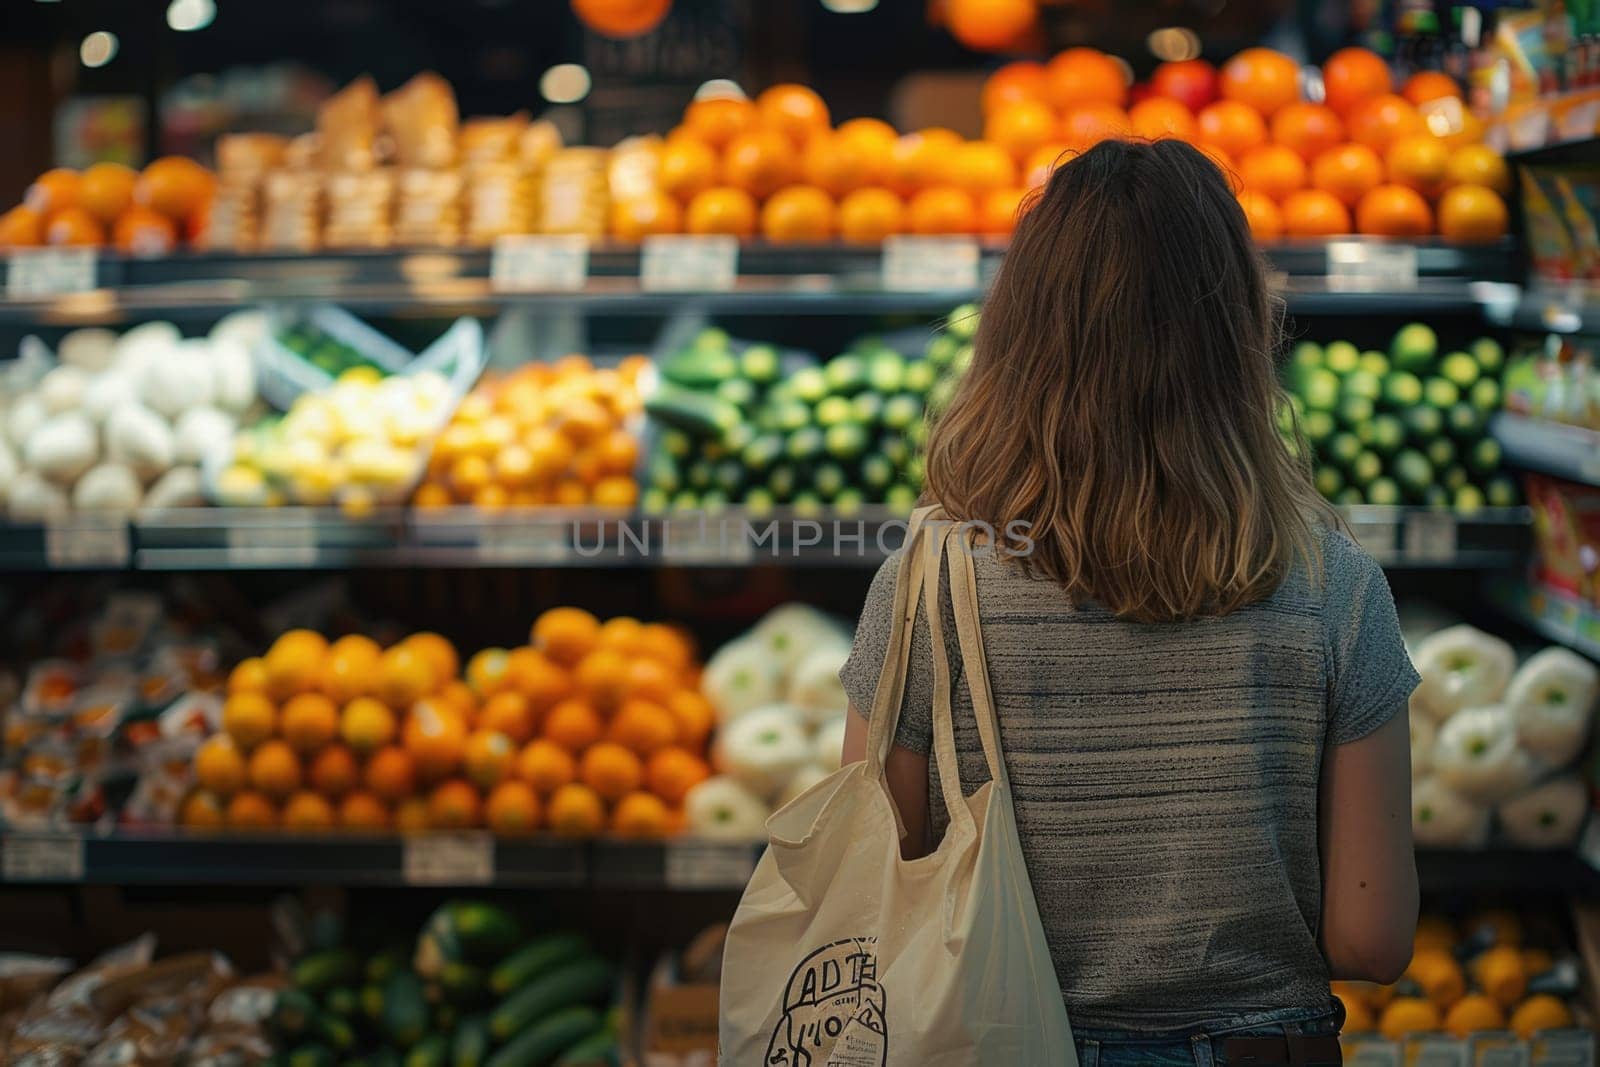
1376 538
708 865
1364 266
290 544
918 264
56 858
87 542
689 264
50 272
1439 1052
1563 1048
1492 1051
542 541
530 264
448 859
1430 537
1367 1053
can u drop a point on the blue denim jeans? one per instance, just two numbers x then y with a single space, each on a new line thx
1199 1047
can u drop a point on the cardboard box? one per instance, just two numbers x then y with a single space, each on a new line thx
679 1020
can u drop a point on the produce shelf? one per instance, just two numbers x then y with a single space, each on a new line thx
310 539
1570 452
1557 616
1573 309
470 859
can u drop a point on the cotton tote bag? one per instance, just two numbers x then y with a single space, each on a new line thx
841 953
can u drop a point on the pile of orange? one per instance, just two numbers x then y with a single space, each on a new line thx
1440 993
558 434
590 728
144 213
1366 160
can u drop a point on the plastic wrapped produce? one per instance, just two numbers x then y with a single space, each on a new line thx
1476 754
814 685
1552 697
790 632
763 748
720 809
740 678
1443 818
828 743
1547 816
1463 667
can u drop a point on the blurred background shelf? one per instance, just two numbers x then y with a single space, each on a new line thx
1570 452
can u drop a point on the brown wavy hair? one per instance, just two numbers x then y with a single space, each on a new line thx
1123 396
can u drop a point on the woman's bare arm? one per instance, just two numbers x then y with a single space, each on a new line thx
1369 870
907 774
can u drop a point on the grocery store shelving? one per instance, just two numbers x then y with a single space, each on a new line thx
311 539
1570 452
1556 616
1544 308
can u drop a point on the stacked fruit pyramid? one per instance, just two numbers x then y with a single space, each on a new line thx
1406 426
590 727
149 212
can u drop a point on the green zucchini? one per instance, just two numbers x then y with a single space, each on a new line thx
599 1048
582 981
536 958
545 1039
321 971
694 413
464 932
431 1051
380 965
461 982
333 1031
405 1009
471 1045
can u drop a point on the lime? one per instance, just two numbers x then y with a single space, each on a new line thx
829 480
1349 495
654 501
1341 357
1454 477
1440 392
760 364
1441 452
1365 467
920 375
845 375
1423 423
1383 491
1460 368
1388 434
1414 347
1490 356
1343 448
848 501
1436 496
942 350
1356 411
1307 355
1363 384
1468 499
677 444
1329 481
1485 395
810 385
758 501
832 410
1464 420
1374 363
1320 390
876 471
1412 470
1501 491
1317 426
1402 389
1484 459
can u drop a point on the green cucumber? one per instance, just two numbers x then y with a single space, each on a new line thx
461 982
581 981
699 370
762 452
696 414
381 965
431 1051
540 1042
598 1048
405 1009
536 958
740 392
662 473
333 1031
321 971
471 1045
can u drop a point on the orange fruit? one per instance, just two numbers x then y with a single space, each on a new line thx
404 676
1453 122
1001 208
219 765
649 679
21 227
1021 127
671 772
177 187
838 165
622 633
1419 162
309 722
458 697
1478 164
1379 121
411 816
1349 172
470 475
875 134
610 770
716 120
508 713
438 651
565 634
694 715
1157 116
1473 1013
943 209
687 166
979 166
575 811
1081 76
294 663
601 677
1266 80
636 217
491 498
1426 85
867 216
1394 211
142 231
1014 83
546 766
921 159
362 812
619 452
334 771
1261 212
799 213
1272 169
668 644
249 810
1307 129
642 726
435 738
1314 213
1044 161
454 805
105 190
512 809
348 668
1540 1012
572 724
73 227
1231 126
1352 75
250 676
542 682
641 816
990 25
760 162
201 810
391 774
54 190
249 718
487 757
1084 127
1498 972
1408 1015
1223 161
792 110
274 769
1357 1016
1438 975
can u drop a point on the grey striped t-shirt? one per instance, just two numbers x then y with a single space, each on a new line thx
1165 776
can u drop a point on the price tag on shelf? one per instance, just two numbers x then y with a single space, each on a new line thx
87 542
1363 266
1438 1052
919 264
1496 1050
556 262
448 859
1563 1048
48 858
679 263
36 272
708 865
1429 537
1368 1053
289 544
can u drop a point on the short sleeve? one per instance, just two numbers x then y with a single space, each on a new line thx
859 675
1371 676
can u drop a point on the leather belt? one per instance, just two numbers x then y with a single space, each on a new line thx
1295 1050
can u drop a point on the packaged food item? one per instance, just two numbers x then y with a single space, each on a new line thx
428 208
347 128
573 198
422 120
291 213
359 209
491 140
